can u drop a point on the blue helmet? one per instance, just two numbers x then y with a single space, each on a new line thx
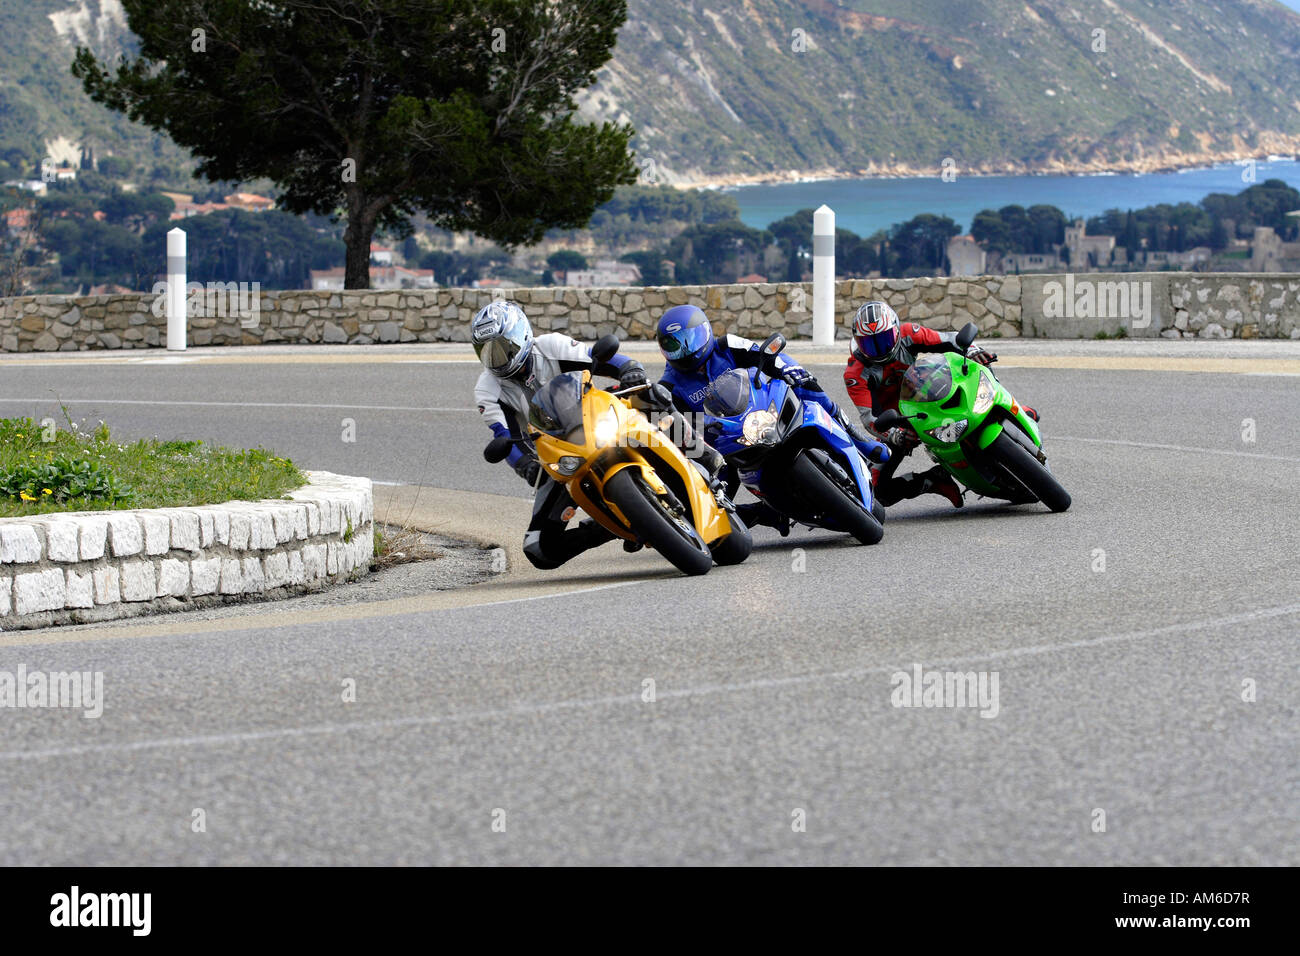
685 337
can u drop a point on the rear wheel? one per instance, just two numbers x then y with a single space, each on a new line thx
673 536
1029 471
834 502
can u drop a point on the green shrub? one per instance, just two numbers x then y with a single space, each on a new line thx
61 480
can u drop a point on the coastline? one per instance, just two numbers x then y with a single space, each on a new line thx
1161 163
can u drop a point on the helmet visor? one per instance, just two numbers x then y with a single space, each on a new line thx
878 345
501 351
684 343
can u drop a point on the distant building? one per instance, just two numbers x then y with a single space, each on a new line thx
385 278
380 255
1087 251
17 220
605 273
752 277
1187 259
469 242
37 186
186 206
966 257
1268 253
250 202
1017 262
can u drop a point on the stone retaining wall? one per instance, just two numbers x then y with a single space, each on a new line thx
1204 304
95 565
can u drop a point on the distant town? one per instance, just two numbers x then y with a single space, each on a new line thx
82 227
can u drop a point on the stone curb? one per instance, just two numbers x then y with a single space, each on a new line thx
99 565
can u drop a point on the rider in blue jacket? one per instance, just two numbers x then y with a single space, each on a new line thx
695 357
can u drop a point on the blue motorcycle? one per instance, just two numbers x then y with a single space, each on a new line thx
790 453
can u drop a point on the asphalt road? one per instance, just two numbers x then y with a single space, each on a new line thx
1119 690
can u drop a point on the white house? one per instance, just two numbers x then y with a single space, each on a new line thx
381 277
605 273
966 257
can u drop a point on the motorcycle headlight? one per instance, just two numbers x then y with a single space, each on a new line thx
760 428
950 432
984 394
568 464
606 429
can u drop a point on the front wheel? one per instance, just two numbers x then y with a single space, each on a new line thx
673 536
1030 472
834 502
735 547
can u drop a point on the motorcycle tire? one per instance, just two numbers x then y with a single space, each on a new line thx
831 499
735 547
1030 472
674 538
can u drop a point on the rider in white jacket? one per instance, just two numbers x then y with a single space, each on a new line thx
516 366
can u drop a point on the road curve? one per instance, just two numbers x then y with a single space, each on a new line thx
1124 634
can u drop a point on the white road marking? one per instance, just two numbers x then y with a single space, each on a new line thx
1198 451
704 690
140 401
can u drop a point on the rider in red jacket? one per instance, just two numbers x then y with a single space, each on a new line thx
883 350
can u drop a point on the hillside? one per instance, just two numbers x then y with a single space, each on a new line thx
718 92
42 108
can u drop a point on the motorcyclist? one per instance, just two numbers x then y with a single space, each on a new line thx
695 357
884 348
516 365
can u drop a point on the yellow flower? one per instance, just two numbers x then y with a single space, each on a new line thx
25 496
46 491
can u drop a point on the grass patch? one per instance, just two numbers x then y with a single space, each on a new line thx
46 469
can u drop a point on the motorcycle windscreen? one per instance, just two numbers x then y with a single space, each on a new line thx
557 408
929 380
728 394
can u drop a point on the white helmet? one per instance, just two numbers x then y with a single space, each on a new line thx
502 337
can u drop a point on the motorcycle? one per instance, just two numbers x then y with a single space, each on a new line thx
790 453
971 425
624 472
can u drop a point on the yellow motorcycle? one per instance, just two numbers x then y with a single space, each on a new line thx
621 469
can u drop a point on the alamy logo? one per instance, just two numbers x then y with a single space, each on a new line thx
242 300
922 688
75 908
1098 299
83 690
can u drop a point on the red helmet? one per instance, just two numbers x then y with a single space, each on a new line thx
875 329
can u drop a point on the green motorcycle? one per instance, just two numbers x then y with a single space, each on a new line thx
969 423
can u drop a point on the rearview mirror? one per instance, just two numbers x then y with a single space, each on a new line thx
606 348
967 335
890 418
497 449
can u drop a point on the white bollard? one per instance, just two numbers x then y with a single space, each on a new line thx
824 276
177 320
